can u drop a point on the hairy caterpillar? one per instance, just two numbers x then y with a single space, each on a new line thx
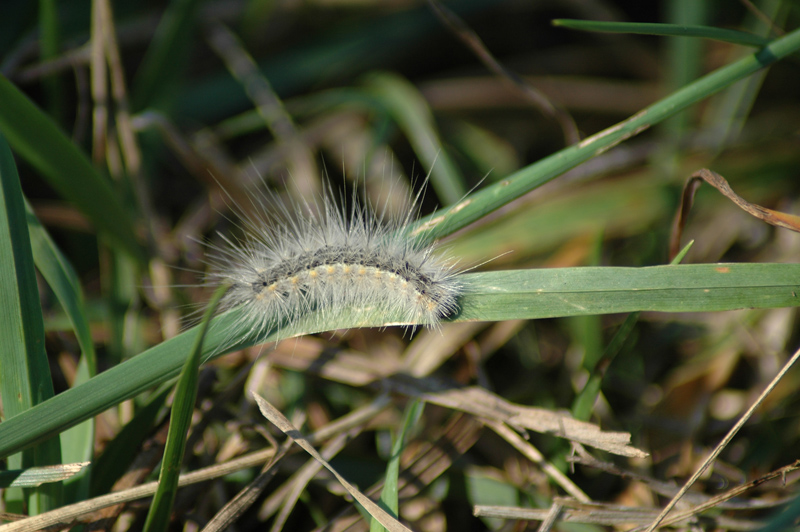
298 259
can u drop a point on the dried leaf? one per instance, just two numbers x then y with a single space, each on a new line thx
776 218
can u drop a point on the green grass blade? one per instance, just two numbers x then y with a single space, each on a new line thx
584 402
390 494
490 296
25 378
77 443
477 205
547 293
410 111
61 277
158 516
672 30
37 139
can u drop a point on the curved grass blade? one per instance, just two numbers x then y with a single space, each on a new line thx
25 378
454 217
672 30
77 443
36 138
490 296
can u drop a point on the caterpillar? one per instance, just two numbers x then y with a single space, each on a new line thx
324 257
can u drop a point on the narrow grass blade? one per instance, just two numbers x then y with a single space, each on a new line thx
454 217
61 277
584 402
158 516
25 378
77 444
389 494
490 296
36 138
673 30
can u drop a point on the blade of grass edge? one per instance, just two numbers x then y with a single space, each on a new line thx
120 452
25 379
158 517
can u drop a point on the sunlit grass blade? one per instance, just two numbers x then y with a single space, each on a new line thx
25 378
490 296
158 517
454 217
674 30
36 138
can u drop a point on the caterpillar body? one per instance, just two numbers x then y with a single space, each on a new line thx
331 258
